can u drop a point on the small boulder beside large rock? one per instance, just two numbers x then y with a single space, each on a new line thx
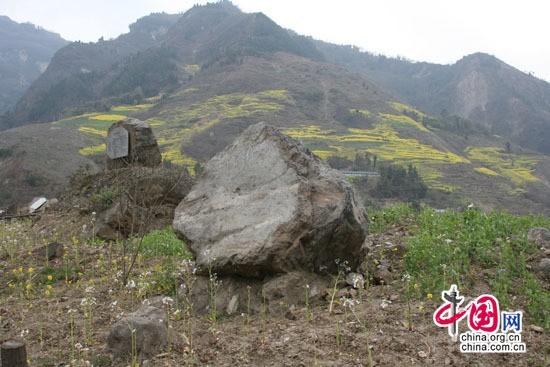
540 236
143 333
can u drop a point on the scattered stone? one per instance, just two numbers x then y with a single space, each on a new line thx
233 305
267 205
150 332
544 268
422 354
537 328
49 252
355 280
126 201
290 315
106 232
277 293
381 275
36 204
343 293
131 142
540 236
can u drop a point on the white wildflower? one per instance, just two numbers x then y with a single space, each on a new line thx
167 301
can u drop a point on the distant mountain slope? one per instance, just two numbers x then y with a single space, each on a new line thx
478 87
215 70
25 52
37 160
78 73
150 58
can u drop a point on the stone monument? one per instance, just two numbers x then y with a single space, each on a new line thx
131 142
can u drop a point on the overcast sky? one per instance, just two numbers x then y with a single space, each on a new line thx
439 31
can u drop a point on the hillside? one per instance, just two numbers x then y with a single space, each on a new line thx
154 57
25 52
76 74
479 87
203 77
75 299
37 160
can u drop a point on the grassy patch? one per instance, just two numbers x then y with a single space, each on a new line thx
518 168
383 140
454 247
112 118
448 246
226 106
164 242
96 149
91 130
132 108
486 171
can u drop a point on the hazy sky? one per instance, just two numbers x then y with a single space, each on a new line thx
440 31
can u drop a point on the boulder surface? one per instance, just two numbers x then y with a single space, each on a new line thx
145 332
267 205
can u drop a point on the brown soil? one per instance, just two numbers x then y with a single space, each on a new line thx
376 330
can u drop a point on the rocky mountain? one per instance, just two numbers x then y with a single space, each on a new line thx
203 77
479 87
25 52
81 73
150 59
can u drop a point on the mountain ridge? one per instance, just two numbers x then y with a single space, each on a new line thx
478 87
200 86
25 52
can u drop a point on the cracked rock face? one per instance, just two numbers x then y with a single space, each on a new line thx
267 205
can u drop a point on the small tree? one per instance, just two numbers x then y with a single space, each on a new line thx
198 168
337 162
508 147
396 181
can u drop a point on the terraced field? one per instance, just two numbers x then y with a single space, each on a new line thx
394 137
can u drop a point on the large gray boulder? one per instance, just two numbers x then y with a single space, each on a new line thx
267 205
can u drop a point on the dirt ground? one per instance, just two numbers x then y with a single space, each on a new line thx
341 338
376 327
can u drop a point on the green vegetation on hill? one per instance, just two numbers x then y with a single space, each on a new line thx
202 78
518 168
186 132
